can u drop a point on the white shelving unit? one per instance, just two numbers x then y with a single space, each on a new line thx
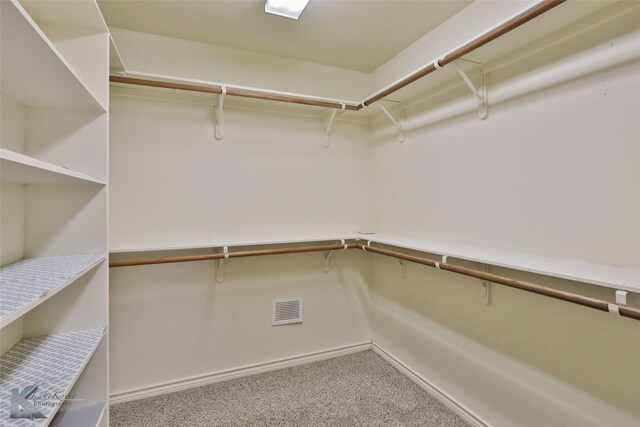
54 174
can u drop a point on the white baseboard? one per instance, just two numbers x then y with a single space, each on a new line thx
201 380
447 400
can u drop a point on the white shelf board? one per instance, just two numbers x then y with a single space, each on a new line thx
53 363
28 283
33 72
152 247
20 169
79 416
624 278
86 14
614 277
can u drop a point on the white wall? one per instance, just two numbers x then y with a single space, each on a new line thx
170 323
270 176
554 171
172 182
169 56
549 172
522 360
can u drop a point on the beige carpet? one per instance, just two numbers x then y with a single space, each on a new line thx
356 390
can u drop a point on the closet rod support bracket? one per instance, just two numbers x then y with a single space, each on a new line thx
399 123
327 122
485 295
621 297
403 264
327 262
217 123
220 265
327 259
479 93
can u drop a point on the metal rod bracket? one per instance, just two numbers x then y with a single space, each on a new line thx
220 265
399 123
218 116
327 122
403 264
485 295
327 262
621 297
327 259
479 93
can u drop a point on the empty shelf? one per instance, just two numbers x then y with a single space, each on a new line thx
34 73
53 363
27 283
20 169
229 241
625 278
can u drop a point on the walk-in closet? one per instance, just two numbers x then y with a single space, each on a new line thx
319 213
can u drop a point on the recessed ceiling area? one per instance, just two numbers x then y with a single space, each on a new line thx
356 35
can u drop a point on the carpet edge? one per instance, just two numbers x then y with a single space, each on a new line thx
230 374
423 383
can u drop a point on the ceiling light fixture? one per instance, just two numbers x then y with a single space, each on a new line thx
288 8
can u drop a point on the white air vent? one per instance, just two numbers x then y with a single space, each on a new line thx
286 310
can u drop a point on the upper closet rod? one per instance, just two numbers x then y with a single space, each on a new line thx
474 44
245 93
598 304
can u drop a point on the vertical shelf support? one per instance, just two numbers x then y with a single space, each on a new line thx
217 124
220 265
399 123
480 94
486 289
328 122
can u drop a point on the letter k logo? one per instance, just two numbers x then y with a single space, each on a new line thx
21 407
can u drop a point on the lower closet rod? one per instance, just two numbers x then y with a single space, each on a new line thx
598 304
240 254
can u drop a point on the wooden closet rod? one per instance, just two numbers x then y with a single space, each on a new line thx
188 258
481 40
245 93
598 304
474 44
